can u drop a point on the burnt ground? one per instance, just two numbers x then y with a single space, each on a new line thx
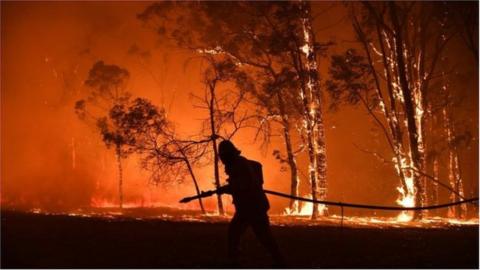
59 241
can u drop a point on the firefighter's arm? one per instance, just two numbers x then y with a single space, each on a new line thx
224 189
203 194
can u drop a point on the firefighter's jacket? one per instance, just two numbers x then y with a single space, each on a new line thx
245 184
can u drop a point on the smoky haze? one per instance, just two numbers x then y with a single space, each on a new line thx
52 160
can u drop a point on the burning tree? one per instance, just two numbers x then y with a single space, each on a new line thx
276 99
402 44
106 95
462 17
269 38
455 135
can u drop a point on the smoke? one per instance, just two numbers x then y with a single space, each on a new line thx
52 160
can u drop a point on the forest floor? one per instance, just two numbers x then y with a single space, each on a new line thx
30 240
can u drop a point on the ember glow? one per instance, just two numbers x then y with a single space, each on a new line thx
303 208
55 160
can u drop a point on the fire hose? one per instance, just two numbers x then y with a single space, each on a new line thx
366 206
342 204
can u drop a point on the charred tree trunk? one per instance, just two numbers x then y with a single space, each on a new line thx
410 111
435 184
451 170
308 124
313 170
194 179
425 161
118 153
461 209
431 162
310 68
294 180
454 176
391 113
213 137
308 127
432 186
393 134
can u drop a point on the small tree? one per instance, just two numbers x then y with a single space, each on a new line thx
106 95
225 117
168 158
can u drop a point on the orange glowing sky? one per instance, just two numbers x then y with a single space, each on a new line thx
47 49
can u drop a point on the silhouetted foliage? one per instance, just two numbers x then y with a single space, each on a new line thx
107 95
350 80
107 82
150 135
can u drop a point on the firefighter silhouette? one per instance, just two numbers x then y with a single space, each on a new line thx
245 180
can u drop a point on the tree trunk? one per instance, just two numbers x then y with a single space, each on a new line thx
454 176
410 111
391 113
294 180
461 209
309 131
423 150
308 124
431 163
213 136
312 168
393 135
194 179
120 175
314 108
435 185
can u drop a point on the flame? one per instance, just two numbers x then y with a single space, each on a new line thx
304 209
300 217
406 199
139 203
